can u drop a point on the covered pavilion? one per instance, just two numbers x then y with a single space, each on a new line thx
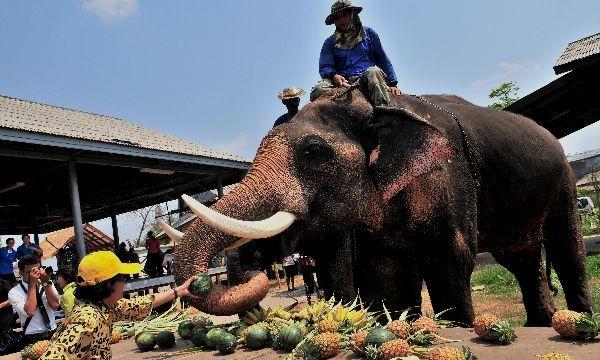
63 168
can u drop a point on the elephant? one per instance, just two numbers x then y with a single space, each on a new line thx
387 202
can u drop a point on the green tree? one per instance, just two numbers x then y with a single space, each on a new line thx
504 95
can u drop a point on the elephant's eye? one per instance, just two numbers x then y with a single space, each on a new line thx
314 149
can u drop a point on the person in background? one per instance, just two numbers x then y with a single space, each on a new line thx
154 259
34 299
289 265
8 256
353 55
65 280
122 252
28 248
290 97
133 257
307 268
86 333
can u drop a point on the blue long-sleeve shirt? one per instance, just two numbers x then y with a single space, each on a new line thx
7 258
355 61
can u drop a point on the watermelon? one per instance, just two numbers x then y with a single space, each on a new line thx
256 337
202 286
165 339
225 343
185 329
145 341
378 336
290 337
202 321
198 337
212 334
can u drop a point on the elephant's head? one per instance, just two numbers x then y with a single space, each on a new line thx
323 171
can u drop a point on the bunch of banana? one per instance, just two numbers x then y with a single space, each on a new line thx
301 315
279 312
318 311
255 315
358 318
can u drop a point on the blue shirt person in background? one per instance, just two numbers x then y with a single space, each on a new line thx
290 97
28 248
8 256
353 55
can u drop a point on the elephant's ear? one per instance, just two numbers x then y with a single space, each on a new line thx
406 145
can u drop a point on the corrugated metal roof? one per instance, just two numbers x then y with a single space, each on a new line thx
579 50
40 118
583 155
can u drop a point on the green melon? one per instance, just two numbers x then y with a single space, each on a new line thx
290 337
202 321
212 334
185 329
165 339
225 343
145 341
378 336
202 286
256 337
198 337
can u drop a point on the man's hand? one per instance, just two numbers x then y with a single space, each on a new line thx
35 275
395 91
183 290
339 80
44 278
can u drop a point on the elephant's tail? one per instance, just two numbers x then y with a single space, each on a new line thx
551 286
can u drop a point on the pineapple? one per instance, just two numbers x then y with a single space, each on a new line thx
327 325
555 356
393 349
449 353
358 342
35 351
273 328
424 325
371 352
115 337
574 325
325 345
400 328
490 327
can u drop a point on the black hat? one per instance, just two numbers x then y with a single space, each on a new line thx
338 6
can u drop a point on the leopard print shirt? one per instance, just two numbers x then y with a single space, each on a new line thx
86 332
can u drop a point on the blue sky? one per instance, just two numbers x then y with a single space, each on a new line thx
209 71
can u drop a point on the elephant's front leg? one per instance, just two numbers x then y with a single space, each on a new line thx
447 265
335 267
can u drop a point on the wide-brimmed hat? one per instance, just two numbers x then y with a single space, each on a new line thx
340 5
290 93
101 266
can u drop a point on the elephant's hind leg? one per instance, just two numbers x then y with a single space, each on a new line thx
526 266
566 251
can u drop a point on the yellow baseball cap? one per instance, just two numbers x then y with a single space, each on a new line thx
100 266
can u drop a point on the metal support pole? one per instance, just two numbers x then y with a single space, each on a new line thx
220 186
115 229
76 210
36 236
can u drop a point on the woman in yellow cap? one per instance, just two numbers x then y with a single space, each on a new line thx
86 332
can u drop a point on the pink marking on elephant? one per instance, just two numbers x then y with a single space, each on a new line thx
374 155
434 149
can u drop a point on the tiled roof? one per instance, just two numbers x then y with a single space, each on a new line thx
94 240
34 117
579 50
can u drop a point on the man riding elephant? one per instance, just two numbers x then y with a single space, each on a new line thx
353 55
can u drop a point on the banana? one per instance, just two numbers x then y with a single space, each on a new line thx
252 317
256 312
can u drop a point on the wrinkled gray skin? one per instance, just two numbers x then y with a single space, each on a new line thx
384 208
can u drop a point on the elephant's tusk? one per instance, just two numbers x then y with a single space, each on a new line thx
272 226
174 234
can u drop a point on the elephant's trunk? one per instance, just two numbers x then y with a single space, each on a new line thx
258 196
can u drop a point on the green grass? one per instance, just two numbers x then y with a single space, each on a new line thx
498 281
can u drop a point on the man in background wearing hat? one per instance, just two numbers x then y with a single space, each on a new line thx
290 97
353 55
86 332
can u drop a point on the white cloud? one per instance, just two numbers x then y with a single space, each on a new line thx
236 146
508 71
110 10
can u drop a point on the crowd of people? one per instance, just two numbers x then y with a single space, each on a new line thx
90 300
